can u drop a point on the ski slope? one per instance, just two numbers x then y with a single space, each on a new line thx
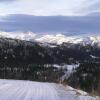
27 90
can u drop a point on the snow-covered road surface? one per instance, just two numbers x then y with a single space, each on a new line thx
27 90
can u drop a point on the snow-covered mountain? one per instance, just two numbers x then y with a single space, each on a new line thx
57 38
27 90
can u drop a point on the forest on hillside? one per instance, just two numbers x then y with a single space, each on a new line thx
24 60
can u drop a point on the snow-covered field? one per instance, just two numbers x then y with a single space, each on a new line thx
28 90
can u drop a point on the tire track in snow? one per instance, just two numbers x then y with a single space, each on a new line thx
28 90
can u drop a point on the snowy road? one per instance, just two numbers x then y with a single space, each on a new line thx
26 90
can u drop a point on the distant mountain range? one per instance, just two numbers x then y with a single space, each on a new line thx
57 38
40 48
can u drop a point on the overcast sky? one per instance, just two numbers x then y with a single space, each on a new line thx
49 7
16 14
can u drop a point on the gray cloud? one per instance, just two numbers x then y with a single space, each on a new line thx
76 24
7 0
89 6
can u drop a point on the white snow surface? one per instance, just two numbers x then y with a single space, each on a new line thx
67 69
28 90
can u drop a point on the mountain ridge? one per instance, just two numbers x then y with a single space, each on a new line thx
57 38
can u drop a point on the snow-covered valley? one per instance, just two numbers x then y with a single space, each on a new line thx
28 90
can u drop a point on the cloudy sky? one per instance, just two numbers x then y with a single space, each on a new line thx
49 7
72 15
